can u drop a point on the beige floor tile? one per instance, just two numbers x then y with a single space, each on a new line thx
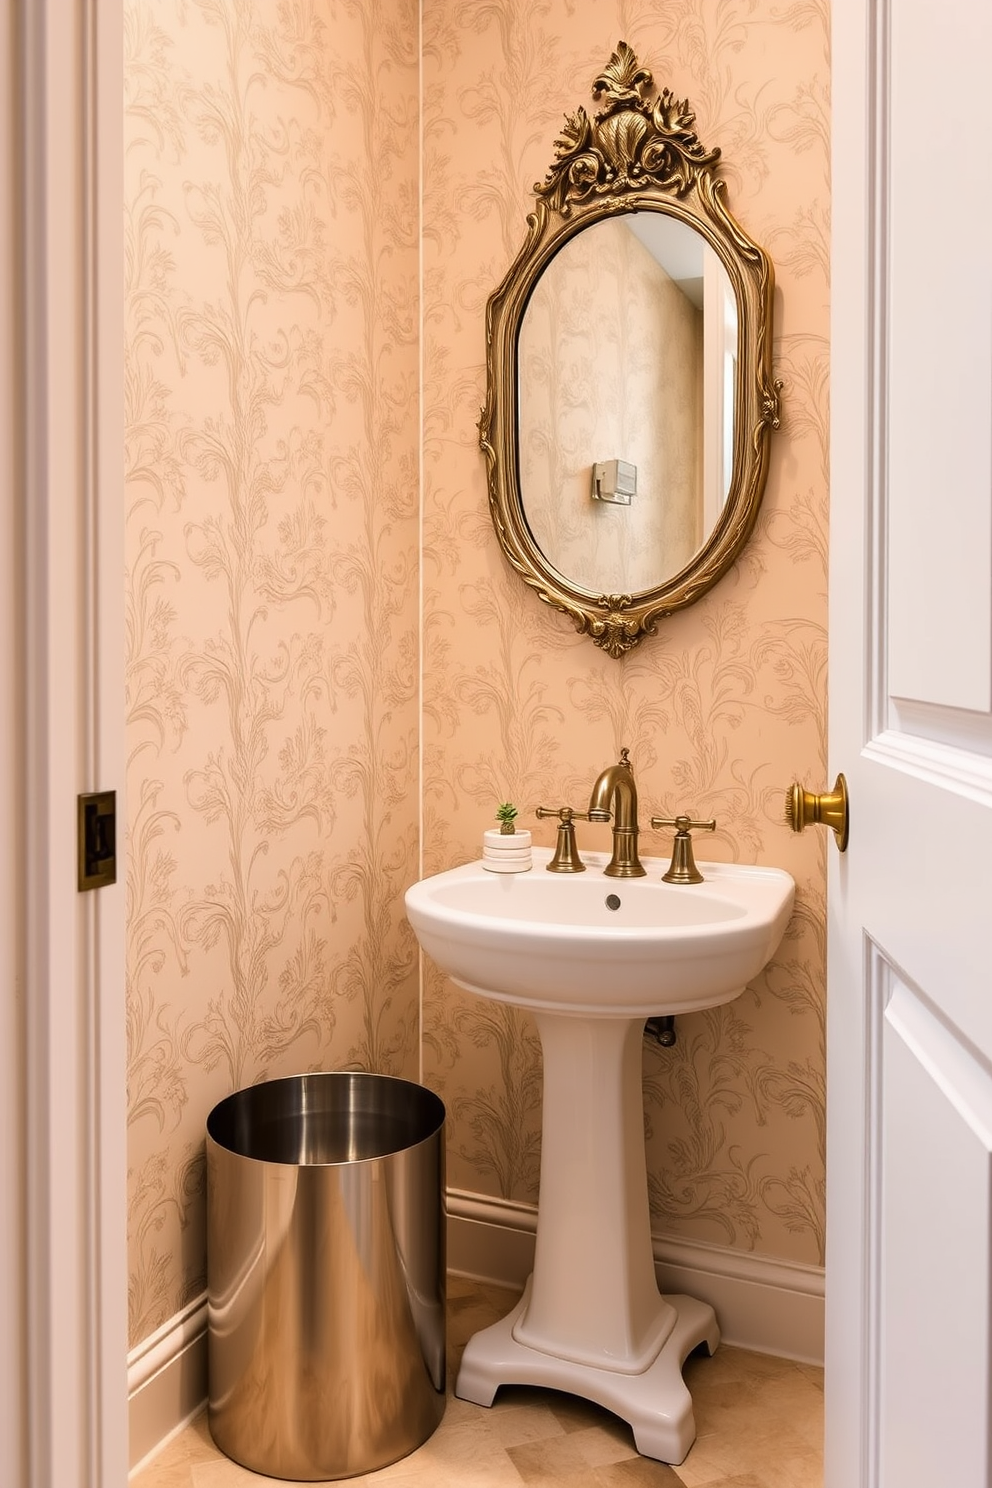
759 1421
798 1406
222 1473
755 1365
491 1474
200 1445
575 1414
602 1446
469 1441
637 1472
735 1365
776 1462
716 1405
170 1475
746 1480
559 1460
193 1444
457 1412
523 1421
794 1472
425 1474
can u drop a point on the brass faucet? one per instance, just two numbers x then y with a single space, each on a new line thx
615 795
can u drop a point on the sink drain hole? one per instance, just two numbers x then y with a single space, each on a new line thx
613 901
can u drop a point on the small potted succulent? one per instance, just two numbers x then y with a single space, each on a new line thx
505 849
506 814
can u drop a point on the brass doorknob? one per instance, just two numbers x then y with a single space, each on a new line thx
803 807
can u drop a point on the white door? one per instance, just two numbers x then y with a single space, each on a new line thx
910 951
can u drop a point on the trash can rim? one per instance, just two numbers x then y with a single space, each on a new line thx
433 1123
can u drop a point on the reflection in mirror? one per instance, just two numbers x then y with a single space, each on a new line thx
627 351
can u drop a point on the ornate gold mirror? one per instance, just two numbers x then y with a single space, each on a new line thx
629 395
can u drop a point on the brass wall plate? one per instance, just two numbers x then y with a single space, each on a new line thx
96 840
638 153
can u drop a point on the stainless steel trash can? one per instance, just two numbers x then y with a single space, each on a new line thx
325 1273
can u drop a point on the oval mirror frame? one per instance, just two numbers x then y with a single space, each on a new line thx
638 153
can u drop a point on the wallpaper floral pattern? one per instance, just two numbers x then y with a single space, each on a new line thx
272 586
305 369
726 705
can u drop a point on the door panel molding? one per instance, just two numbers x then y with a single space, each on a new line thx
938 350
958 1070
909 1044
932 760
957 728
875 226
879 978
911 1049
935 1188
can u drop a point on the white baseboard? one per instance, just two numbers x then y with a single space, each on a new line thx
774 1307
166 1382
771 1306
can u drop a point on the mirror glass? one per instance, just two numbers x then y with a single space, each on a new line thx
627 352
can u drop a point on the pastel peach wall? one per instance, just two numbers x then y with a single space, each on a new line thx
275 688
272 572
725 706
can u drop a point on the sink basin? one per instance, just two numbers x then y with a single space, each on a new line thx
596 945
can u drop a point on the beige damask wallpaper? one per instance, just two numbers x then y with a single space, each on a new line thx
305 300
720 711
273 571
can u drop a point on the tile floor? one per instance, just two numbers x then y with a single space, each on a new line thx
759 1422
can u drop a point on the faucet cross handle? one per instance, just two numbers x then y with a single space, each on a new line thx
566 858
682 869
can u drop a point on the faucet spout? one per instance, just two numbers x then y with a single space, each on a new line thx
614 796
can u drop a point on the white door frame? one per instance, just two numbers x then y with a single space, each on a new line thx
848 1367
65 365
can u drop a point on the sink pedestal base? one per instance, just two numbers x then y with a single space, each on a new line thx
592 1321
655 1403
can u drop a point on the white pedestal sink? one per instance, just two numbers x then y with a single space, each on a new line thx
592 958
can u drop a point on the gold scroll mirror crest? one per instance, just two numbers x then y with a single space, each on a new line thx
629 392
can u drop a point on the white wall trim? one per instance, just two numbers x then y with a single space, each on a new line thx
13 753
771 1306
166 1382
70 401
